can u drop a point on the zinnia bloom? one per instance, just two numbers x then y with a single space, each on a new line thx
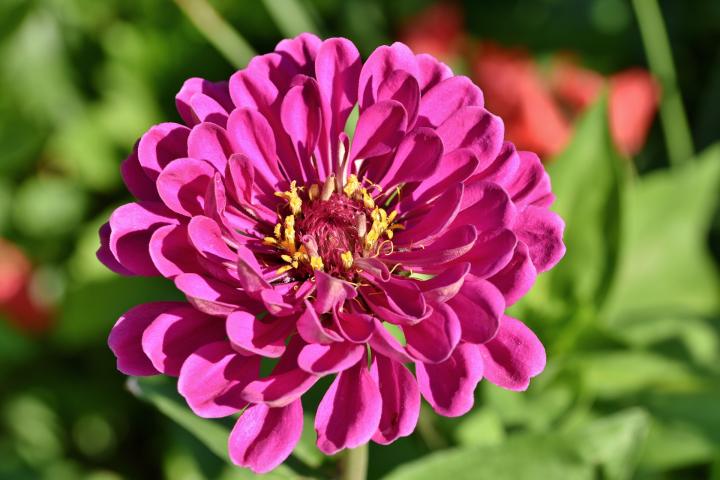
384 256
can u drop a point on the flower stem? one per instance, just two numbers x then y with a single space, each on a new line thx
355 464
678 139
218 32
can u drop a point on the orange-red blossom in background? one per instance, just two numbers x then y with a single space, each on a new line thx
539 106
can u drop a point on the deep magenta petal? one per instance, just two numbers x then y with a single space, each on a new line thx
449 387
446 98
125 338
349 413
255 335
264 437
176 333
212 379
209 142
379 130
161 145
380 65
514 356
182 185
400 400
517 277
542 231
434 339
479 306
332 358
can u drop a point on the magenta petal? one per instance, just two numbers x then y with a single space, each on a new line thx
435 338
349 413
211 296
280 389
401 87
331 358
252 334
517 277
445 285
131 227
449 387
337 68
417 158
183 183
383 342
302 49
380 65
301 117
264 437
486 206
207 109
541 230
514 356
212 379
478 305
125 338
502 169
135 179
454 168
251 134
176 333
476 128
452 245
354 326
434 221
209 142
207 237
379 129
312 330
172 253
400 400
491 253
531 183
446 98
216 92
430 72
331 292
161 145
105 255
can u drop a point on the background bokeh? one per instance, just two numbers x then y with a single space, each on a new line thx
630 318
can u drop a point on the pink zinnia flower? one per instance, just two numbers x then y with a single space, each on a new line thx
293 241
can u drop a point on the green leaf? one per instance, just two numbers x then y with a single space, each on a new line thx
291 17
617 373
520 458
588 181
615 442
612 443
666 266
161 392
480 428
672 445
46 206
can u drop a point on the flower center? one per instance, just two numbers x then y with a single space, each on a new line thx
327 227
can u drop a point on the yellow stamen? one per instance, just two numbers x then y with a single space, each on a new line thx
367 199
269 241
292 197
347 259
278 227
283 269
351 186
316 263
287 258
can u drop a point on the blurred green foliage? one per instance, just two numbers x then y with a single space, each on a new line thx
631 317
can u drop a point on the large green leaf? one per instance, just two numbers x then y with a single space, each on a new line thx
612 443
588 180
160 391
665 264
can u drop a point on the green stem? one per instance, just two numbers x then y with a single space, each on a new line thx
657 48
218 32
355 463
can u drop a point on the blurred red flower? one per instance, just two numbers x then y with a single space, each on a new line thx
539 108
17 303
